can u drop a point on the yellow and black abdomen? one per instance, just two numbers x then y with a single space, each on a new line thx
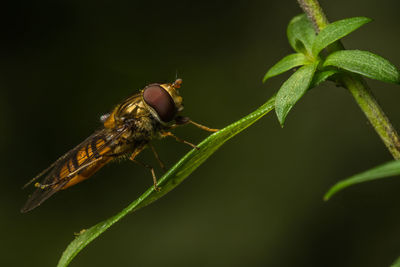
77 165
85 161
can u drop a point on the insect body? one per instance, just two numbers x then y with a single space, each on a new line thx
126 131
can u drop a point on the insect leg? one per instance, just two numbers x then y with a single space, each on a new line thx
165 134
44 186
203 127
162 165
71 174
39 175
153 174
186 120
44 172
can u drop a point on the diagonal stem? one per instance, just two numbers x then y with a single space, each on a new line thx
356 85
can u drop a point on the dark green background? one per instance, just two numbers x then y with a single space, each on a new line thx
257 201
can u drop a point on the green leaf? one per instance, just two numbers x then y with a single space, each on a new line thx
293 89
285 64
301 34
322 76
169 181
385 170
364 63
335 31
396 263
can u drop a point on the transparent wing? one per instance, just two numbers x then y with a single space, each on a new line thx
76 165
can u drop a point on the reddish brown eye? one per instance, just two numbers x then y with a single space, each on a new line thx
159 99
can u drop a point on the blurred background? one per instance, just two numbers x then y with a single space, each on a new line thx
257 201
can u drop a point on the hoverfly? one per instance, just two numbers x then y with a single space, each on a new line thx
126 131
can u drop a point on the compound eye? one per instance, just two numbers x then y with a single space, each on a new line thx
159 99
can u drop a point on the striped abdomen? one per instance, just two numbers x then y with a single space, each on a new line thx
85 161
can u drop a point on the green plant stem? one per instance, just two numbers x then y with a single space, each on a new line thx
314 13
356 85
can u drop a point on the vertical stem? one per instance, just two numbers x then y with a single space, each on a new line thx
314 13
368 103
356 85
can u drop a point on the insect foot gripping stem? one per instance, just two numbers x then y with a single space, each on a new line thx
153 174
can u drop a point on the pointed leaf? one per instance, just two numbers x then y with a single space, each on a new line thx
169 181
335 31
364 63
301 34
322 76
396 263
385 170
285 64
293 89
